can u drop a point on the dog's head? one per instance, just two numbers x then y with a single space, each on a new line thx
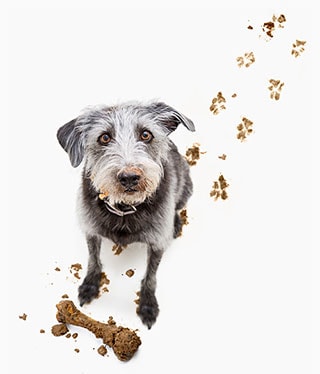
124 147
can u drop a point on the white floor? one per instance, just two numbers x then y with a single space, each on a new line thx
235 290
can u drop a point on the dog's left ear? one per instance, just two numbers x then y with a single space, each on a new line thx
170 117
70 139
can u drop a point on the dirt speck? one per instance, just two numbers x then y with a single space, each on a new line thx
23 316
75 269
130 273
102 350
117 249
104 281
59 329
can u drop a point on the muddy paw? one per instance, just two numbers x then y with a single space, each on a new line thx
88 291
148 312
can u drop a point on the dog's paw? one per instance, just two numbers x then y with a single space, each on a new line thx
87 292
148 311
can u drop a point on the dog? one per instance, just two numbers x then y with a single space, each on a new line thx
134 185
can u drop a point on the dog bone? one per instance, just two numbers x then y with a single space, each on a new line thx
122 340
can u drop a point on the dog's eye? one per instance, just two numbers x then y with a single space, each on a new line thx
104 139
146 136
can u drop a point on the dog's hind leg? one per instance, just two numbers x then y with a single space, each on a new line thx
90 286
148 308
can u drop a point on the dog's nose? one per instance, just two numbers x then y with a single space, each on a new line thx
128 178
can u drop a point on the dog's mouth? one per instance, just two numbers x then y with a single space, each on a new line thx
130 190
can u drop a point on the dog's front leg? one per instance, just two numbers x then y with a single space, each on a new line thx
148 309
90 286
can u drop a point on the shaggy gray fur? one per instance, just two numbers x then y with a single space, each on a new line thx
145 182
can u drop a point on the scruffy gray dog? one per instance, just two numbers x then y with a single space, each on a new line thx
134 184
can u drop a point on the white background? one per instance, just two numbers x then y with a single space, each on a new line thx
235 291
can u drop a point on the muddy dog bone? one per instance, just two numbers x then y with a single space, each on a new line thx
122 340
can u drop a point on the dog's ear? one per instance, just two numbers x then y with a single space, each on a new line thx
170 117
70 139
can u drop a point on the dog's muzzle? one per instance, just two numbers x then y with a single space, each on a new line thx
130 179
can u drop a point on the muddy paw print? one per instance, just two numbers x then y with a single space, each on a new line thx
246 60
298 48
193 154
276 23
219 188
244 129
275 88
218 104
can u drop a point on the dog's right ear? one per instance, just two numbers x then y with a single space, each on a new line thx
70 139
169 117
